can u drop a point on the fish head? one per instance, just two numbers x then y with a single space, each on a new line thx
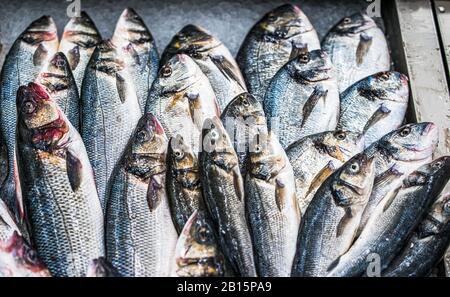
131 29
438 217
341 145
437 171
179 73
245 106
147 148
81 31
20 258
40 122
266 156
196 252
39 31
412 142
354 24
183 162
284 22
106 59
388 85
311 66
57 75
101 267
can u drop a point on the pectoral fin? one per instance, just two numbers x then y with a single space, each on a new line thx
74 171
365 42
377 116
319 92
133 53
226 68
74 57
40 55
344 222
238 183
280 194
387 177
320 177
121 87
297 49
389 199
154 193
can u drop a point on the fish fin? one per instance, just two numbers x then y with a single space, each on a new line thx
40 55
319 92
154 193
121 87
74 171
365 42
280 194
297 49
238 183
377 116
334 264
387 177
344 221
390 199
320 177
226 67
134 54
74 57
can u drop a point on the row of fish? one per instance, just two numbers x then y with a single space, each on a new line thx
116 162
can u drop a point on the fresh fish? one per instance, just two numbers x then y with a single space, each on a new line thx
27 57
184 188
58 185
79 39
223 190
182 98
375 105
243 118
109 112
316 157
59 81
140 235
271 43
389 227
136 42
102 268
213 58
358 48
197 252
397 154
332 218
302 98
18 259
272 207
427 245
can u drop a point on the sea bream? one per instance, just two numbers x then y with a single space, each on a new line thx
109 112
315 157
79 39
28 55
357 48
137 44
140 235
375 105
302 98
213 58
58 185
271 43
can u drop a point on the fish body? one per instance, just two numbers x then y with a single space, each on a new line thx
332 218
109 112
314 158
375 105
137 44
140 235
213 58
358 48
271 43
58 185
223 190
7 223
302 98
389 228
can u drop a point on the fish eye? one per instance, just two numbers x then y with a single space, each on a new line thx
166 71
405 132
179 154
340 135
385 76
28 107
181 37
347 21
203 234
245 102
31 256
304 58
354 167
272 18
142 136
446 207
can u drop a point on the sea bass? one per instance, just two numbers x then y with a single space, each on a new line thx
223 190
332 218
315 157
140 235
134 39
271 43
58 185
375 105
302 98
389 228
79 39
109 112
213 58
29 54
358 48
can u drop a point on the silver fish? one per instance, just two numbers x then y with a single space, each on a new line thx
213 58
302 98
59 81
223 190
79 39
332 218
58 185
102 268
273 212
375 105
358 48
271 43
140 235
109 112
136 42
316 157
29 54
389 227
